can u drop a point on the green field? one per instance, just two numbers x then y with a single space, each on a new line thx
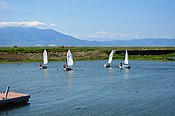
63 48
31 54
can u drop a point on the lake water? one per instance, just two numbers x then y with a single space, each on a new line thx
148 88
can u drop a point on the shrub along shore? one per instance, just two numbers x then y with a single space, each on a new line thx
34 54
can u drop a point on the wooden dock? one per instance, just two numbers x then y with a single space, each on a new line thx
12 98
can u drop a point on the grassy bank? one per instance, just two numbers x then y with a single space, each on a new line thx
34 54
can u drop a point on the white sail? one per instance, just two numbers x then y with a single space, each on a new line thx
69 58
126 57
45 60
111 56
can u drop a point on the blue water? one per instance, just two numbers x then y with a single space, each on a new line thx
148 88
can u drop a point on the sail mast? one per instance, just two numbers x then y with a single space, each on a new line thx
69 58
45 59
110 57
126 57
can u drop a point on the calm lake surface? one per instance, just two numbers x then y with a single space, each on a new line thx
148 88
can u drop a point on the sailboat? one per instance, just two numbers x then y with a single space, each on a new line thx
126 62
110 59
45 60
69 61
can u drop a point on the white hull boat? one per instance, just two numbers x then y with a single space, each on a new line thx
45 60
126 62
110 59
67 67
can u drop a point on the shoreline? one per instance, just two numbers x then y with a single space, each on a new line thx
34 54
20 62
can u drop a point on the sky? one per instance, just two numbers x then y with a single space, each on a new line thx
101 20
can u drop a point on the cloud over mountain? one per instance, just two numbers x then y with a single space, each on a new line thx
106 34
103 36
26 24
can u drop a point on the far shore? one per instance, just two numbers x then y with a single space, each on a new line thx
34 54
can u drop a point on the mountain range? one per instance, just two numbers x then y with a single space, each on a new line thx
30 36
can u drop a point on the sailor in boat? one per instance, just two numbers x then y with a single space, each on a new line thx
45 60
120 65
41 66
110 59
107 65
65 65
125 63
69 58
66 68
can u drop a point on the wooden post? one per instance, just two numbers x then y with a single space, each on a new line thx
6 92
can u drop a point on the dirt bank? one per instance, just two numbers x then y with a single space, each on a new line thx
54 56
11 54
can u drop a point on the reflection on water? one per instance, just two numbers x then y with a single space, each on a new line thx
45 73
111 72
69 78
127 73
69 74
13 107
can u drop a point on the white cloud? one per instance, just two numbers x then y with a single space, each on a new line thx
103 36
52 45
26 24
106 34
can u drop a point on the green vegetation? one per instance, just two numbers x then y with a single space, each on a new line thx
152 57
63 49
34 54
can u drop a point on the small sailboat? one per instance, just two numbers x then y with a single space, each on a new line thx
45 60
110 59
126 62
70 62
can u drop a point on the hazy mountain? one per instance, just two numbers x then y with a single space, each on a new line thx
143 42
22 36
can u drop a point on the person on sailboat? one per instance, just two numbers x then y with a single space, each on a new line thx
120 64
110 59
65 65
41 66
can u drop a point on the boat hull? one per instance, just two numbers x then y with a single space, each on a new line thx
124 66
127 66
107 65
67 68
44 67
